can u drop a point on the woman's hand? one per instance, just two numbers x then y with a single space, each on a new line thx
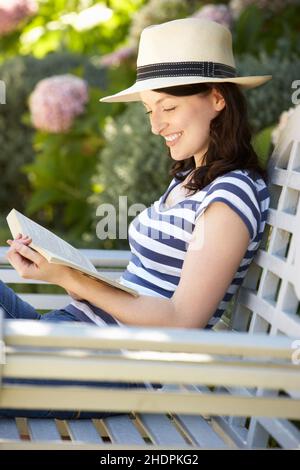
31 265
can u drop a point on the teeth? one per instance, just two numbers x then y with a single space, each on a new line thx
173 137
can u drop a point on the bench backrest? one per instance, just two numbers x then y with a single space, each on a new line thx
269 299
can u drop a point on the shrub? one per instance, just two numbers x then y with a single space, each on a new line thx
61 173
268 101
20 75
259 29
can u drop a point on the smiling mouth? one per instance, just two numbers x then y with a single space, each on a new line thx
174 139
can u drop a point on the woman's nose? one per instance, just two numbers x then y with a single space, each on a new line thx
157 124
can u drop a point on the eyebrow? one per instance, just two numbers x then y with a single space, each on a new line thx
158 101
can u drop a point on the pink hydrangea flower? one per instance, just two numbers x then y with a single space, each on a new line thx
56 101
218 13
12 12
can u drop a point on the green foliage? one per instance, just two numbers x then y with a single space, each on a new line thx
61 173
262 144
49 31
259 30
267 102
134 163
15 137
61 170
21 75
247 29
4 230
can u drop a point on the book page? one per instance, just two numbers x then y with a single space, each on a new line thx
51 244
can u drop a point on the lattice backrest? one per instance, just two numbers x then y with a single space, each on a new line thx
268 301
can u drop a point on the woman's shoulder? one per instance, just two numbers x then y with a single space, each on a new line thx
242 173
244 192
242 178
240 187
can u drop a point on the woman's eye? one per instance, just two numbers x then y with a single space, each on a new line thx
169 109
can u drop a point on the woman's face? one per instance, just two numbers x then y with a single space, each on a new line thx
183 121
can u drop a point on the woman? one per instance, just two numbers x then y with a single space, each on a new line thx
191 249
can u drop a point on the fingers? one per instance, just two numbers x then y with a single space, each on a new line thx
27 262
20 238
28 253
21 264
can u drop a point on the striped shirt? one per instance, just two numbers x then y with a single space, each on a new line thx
160 235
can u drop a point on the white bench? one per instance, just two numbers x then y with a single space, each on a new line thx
238 388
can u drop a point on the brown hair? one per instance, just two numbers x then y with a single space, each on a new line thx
230 138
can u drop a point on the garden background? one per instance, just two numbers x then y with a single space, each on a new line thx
62 153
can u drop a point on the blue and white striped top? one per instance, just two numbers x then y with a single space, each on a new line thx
159 236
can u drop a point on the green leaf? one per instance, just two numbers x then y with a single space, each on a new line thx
247 30
42 198
262 144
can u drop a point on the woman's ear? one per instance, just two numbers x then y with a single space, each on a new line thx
218 100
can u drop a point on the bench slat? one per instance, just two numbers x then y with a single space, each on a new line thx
83 430
122 431
196 426
107 258
10 276
161 430
231 374
201 432
172 340
120 400
9 429
235 433
285 433
43 429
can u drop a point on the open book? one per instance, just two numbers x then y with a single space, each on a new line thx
56 250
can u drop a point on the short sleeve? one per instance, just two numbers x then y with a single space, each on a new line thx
239 192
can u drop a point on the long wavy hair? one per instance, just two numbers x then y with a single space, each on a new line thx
229 145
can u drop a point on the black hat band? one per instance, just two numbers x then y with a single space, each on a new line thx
185 69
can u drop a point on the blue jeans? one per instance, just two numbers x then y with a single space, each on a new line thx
15 308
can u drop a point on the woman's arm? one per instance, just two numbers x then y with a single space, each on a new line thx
220 240
214 255
143 310
140 311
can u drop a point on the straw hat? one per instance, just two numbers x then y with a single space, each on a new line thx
184 51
